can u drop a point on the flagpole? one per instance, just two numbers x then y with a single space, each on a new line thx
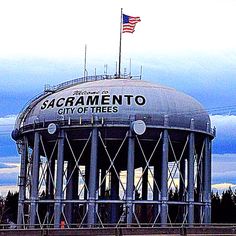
121 21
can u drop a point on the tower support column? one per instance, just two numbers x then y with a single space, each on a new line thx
59 183
22 182
207 179
71 190
164 174
191 174
93 178
35 180
130 178
50 180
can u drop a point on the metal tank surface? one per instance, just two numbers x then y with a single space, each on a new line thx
101 151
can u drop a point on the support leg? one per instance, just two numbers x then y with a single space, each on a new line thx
92 219
69 192
207 182
35 180
164 177
130 179
191 176
22 183
59 184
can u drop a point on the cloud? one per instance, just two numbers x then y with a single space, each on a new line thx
3 165
225 141
10 159
8 120
53 35
7 123
223 186
9 178
225 124
9 173
224 168
220 188
7 145
227 157
6 188
10 168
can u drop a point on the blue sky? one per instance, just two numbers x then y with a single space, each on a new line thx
186 44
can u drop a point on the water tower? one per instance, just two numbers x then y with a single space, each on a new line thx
101 151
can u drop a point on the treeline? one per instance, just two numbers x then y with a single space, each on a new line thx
223 207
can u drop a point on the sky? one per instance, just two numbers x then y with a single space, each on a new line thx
186 44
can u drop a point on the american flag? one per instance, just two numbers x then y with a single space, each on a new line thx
129 23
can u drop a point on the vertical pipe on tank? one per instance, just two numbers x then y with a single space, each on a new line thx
130 177
164 174
144 184
59 180
103 185
182 187
103 196
86 178
93 177
69 191
157 188
50 179
199 190
75 188
22 183
35 180
182 179
144 194
191 174
207 179
114 196
50 186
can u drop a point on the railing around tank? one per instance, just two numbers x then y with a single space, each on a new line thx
115 122
53 88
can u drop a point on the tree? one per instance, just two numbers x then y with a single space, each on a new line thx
228 207
223 208
215 207
10 208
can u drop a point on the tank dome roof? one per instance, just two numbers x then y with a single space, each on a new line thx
116 100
